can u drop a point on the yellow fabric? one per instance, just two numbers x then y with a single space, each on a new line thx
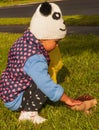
55 64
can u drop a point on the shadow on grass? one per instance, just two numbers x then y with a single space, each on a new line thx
62 74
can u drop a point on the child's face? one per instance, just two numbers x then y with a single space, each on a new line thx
49 45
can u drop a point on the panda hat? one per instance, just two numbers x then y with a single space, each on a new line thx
47 22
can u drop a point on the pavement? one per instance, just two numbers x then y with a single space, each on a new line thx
83 30
70 29
69 7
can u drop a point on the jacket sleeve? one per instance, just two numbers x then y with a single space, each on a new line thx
36 67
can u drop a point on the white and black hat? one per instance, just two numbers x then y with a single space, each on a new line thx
47 22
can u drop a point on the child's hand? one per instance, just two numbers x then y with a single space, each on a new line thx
69 101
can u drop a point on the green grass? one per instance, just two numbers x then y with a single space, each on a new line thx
4 3
80 55
75 20
84 20
14 21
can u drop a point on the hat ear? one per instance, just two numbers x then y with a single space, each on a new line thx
45 8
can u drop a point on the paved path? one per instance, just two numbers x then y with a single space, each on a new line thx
68 7
71 29
83 30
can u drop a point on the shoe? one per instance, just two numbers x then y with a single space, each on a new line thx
31 116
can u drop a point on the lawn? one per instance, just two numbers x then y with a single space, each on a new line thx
74 20
4 3
80 75
80 55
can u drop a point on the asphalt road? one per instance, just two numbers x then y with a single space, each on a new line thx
70 29
68 7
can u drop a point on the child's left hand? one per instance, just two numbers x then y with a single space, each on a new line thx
72 102
69 101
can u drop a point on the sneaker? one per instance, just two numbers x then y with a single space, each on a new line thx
31 116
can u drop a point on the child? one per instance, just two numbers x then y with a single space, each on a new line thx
25 84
